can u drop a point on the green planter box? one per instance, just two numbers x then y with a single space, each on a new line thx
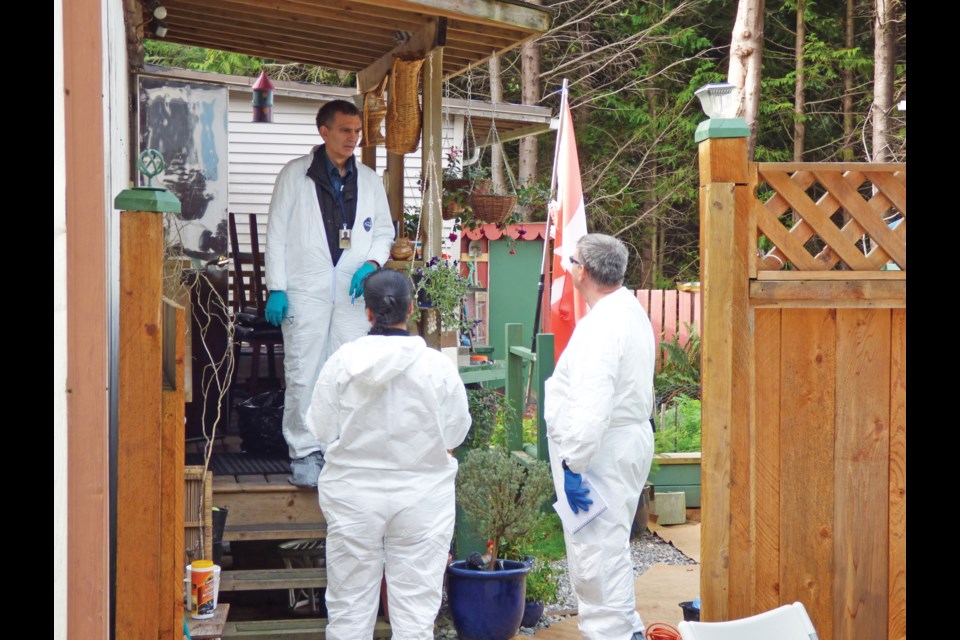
678 472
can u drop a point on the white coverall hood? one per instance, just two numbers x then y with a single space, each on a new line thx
373 364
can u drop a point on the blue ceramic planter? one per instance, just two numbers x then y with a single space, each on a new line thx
487 605
532 613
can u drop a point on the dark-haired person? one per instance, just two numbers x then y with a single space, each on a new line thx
388 411
597 406
329 226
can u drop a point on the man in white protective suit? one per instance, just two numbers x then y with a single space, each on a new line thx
597 407
329 227
388 412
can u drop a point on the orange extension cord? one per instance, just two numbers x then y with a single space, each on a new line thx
661 631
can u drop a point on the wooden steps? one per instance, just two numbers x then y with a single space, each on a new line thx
297 629
274 531
257 579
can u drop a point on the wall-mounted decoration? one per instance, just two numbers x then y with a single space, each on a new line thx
187 123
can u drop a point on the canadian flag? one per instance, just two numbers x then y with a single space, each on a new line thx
569 219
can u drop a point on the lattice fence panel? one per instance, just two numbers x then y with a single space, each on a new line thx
823 217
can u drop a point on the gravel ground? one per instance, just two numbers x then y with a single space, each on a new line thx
647 550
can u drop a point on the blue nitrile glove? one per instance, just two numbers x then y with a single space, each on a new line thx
576 494
356 285
277 306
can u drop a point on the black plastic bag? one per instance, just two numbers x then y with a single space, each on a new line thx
261 424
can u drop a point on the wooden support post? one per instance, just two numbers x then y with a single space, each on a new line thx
139 419
171 477
395 187
432 152
725 546
544 369
368 156
513 337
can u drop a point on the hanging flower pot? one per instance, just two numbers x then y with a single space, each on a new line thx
492 209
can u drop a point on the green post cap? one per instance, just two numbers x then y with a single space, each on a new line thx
149 163
721 128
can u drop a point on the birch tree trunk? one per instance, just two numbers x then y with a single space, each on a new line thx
496 152
799 130
884 59
746 48
530 94
848 142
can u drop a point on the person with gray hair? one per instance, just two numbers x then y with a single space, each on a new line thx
597 407
387 411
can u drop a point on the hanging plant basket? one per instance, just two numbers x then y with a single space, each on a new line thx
451 207
492 209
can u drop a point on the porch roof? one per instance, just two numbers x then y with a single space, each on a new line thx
357 35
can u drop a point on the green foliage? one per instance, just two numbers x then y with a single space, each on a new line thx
529 428
439 280
543 583
501 496
489 412
678 426
681 366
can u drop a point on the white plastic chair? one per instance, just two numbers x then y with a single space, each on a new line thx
789 622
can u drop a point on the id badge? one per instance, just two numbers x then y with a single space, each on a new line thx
344 238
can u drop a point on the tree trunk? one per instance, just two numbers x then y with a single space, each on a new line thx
530 81
585 35
530 88
798 91
746 48
496 152
848 142
884 59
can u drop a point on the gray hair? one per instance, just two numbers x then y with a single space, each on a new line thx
604 258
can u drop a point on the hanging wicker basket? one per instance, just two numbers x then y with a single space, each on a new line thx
490 208
374 112
404 118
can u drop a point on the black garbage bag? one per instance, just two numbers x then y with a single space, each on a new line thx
261 422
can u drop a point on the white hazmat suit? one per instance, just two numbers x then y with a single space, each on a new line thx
321 316
597 407
386 410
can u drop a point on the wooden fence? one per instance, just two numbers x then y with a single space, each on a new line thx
804 391
673 312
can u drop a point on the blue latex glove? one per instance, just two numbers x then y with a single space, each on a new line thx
576 494
356 285
277 306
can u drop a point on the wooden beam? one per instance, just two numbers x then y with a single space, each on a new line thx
395 186
862 448
489 12
430 36
829 294
256 45
288 30
790 167
139 418
87 380
831 275
807 469
897 581
368 156
432 152
171 477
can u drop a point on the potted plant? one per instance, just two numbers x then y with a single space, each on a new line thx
456 186
440 286
542 589
502 497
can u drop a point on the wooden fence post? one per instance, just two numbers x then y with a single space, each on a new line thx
725 550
